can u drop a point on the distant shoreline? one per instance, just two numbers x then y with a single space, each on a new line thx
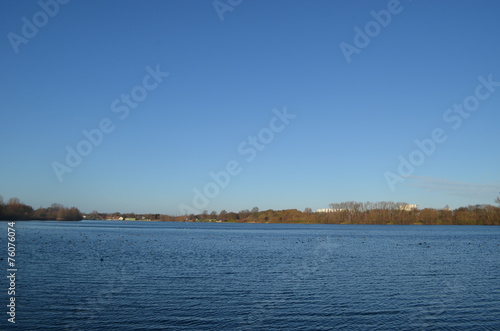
234 222
350 212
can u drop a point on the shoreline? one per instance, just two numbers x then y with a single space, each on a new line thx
247 222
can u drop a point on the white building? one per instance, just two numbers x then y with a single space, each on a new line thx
408 207
328 210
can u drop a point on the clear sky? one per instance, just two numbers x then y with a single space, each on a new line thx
289 104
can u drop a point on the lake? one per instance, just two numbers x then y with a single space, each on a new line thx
114 275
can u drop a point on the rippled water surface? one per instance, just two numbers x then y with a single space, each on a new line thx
218 276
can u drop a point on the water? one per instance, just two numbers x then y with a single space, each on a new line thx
217 276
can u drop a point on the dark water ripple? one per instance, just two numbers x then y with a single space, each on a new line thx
192 276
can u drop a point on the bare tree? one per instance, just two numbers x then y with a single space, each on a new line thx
56 206
14 201
94 215
222 215
497 201
244 213
308 210
69 214
204 215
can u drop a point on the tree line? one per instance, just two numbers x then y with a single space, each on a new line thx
351 212
15 210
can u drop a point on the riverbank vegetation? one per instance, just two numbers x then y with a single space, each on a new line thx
349 212
342 213
15 210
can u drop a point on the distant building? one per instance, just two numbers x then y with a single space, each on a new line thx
328 210
408 207
114 218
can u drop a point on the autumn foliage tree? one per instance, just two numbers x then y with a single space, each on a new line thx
69 214
16 210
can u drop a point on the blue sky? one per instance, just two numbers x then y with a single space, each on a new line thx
353 116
